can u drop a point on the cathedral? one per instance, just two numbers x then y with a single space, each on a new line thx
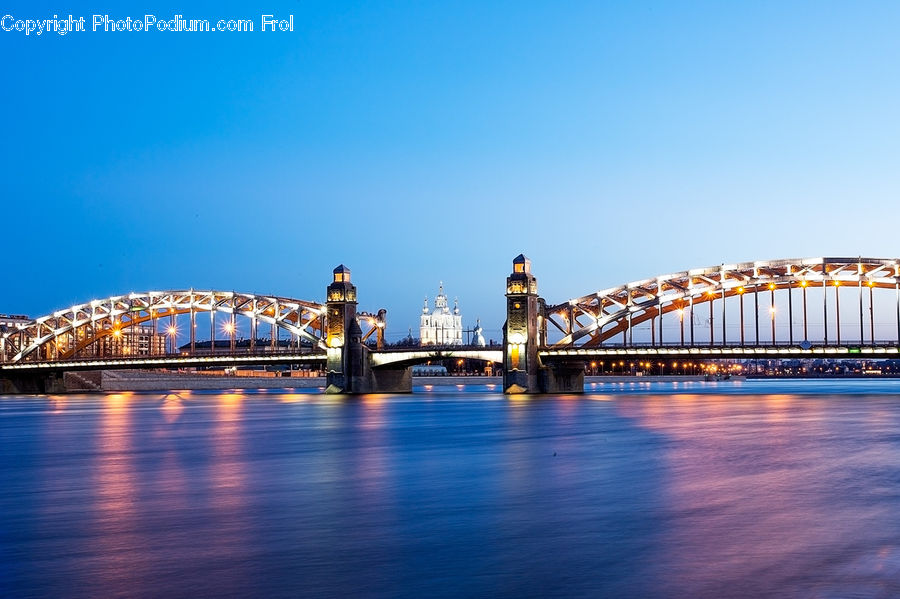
441 326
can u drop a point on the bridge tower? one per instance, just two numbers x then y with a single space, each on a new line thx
525 334
348 360
340 307
522 333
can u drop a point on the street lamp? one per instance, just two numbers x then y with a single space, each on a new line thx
172 331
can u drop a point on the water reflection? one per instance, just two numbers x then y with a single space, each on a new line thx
114 508
775 492
172 406
228 476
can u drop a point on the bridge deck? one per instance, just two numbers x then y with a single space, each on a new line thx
730 352
408 356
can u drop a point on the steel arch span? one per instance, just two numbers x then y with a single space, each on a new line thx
77 331
593 319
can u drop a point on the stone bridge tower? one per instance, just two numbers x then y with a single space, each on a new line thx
521 335
348 364
340 307
525 334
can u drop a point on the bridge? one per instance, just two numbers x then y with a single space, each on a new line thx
767 309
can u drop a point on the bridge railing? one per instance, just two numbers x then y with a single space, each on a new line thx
435 348
729 344
248 351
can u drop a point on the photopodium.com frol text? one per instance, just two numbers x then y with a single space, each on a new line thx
147 23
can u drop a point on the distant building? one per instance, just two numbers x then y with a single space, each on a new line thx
441 326
136 340
13 321
429 370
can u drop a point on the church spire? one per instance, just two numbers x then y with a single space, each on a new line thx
440 302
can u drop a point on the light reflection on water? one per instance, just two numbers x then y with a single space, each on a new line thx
789 494
645 489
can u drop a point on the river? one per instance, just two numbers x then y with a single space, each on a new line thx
729 489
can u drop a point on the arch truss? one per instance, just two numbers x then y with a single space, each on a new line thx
93 328
611 315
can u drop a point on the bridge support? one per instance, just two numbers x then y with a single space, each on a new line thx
33 384
564 377
348 364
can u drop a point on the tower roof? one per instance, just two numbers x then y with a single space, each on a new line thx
521 264
342 275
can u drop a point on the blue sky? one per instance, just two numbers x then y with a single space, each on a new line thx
425 141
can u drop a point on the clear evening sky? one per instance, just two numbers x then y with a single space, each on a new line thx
426 141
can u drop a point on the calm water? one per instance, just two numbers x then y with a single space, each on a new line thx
655 490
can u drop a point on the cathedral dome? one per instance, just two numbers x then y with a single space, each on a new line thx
441 326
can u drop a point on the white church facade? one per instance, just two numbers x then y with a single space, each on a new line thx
441 326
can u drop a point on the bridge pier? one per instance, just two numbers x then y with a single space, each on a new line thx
564 377
33 384
348 364
392 380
